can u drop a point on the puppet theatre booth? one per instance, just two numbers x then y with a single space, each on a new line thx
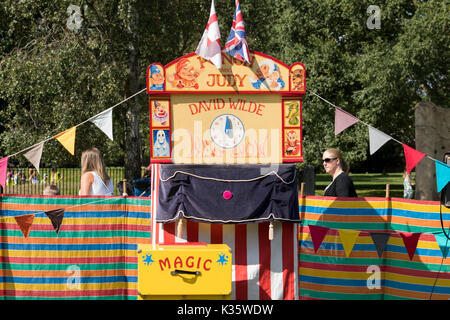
224 147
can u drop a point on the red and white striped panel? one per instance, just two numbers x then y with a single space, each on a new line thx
262 269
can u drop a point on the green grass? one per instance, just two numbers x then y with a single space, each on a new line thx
367 184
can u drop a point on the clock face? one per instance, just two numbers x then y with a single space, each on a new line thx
227 131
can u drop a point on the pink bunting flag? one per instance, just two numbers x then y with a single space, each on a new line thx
3 168
318 233
343 120
410 240
412 157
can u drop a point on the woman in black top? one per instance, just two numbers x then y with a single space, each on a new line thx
342 184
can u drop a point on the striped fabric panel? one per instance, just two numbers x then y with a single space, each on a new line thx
329 274
92 257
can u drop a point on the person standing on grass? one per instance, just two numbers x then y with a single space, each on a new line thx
94 179
407 185
335 165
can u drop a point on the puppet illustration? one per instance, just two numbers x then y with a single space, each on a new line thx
156 78
292 144
161 147
293 113
267 76
186 75
297 80
160 113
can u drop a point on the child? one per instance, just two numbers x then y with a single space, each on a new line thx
407 185
51 190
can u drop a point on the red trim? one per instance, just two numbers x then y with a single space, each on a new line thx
216 233
192 231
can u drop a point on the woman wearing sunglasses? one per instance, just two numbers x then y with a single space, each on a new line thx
342 184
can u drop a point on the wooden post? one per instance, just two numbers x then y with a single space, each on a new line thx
124 193
180 228
271 231
302 187
387 190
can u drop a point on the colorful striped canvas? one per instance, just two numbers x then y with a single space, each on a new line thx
92 257
330 274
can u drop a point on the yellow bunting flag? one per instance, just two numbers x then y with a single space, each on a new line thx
348 238
67 139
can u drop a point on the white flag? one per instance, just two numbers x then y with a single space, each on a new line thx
34 153
104 122
377 139
209 46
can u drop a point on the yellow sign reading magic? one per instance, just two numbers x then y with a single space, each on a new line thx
237 114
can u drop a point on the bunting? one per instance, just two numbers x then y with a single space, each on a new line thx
67 139
24 222
348 238
443 243
410 240
34 153
318 233
343 120
377 139
3 168
56 217
104 121
442 175
380 240
412 157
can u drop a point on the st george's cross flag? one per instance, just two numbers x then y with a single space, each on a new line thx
236 45
209 46
262 269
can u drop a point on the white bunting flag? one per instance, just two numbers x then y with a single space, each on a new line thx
377 139
104 122
34 153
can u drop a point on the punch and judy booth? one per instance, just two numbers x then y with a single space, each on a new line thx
224 147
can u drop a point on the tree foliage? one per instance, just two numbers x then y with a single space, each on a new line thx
53 77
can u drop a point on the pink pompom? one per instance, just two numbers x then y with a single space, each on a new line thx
227 194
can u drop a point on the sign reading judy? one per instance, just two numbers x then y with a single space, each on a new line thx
239 113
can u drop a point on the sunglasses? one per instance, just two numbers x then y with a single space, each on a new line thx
327 160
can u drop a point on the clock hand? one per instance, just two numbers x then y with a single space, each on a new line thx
229 128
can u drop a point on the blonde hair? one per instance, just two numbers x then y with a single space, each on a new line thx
51 190
337 154
92 160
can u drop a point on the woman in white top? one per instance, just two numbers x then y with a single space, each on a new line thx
94 179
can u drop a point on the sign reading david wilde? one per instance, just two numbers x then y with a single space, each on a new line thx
237 114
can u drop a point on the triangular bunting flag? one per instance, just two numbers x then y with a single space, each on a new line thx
3 169
442 175
24 222
443 243
318 233
67 139
377 139
380 240
410 240
412 157
56 217
343 120
34 154
348 238
104 121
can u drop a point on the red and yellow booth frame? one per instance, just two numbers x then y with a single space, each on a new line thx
237 114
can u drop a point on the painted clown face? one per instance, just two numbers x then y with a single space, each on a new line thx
291 138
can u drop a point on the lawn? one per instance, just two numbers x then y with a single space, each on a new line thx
367 184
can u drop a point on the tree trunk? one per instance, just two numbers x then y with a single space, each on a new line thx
432 126
132 166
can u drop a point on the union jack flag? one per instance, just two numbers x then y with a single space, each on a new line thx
236 45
